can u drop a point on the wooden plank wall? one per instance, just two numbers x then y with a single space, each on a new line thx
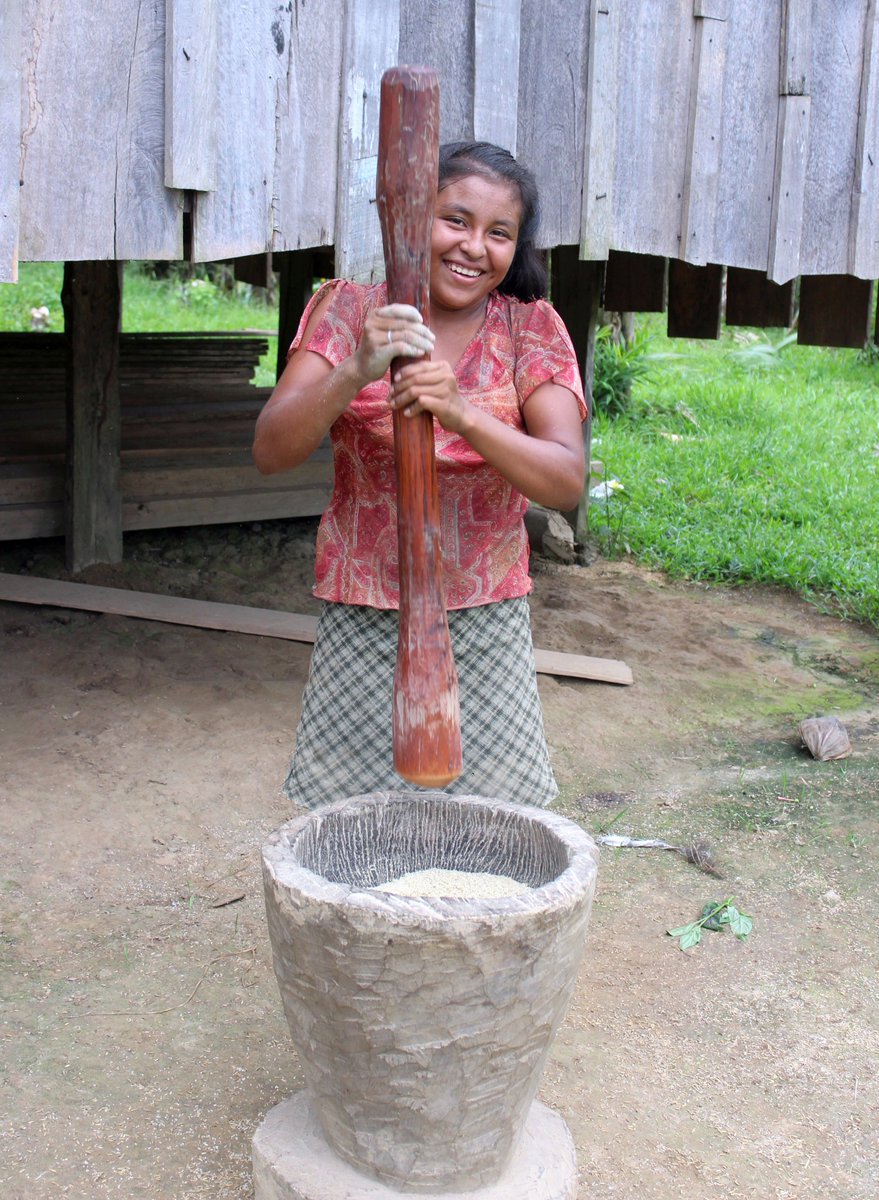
10 136
741 132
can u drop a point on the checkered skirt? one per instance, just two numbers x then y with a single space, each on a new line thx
344 740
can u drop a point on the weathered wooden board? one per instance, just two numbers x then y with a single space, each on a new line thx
653 84
864 232
749 116
702 163
372 30
442 36
252 55
635 283
789 189
10 136
837 58
835 310
191 98
307 125
238 618
752 299
92 156
496 72
552 111
597 224
694 300
795 56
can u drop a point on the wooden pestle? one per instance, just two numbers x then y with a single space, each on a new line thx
426 720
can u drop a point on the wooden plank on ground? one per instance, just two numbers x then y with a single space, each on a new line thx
191 99
496 72
10 135
238 618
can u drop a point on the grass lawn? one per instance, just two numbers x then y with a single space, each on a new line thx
749 460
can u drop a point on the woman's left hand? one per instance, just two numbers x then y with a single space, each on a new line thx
429 386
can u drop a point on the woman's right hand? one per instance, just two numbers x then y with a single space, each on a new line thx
395 331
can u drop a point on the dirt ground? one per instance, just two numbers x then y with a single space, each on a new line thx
143 1039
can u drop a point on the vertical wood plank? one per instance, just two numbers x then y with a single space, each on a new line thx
190 95
695 296
298 270
754 300
702 170
441 36
10 136
93 133
496 72
551 121
602 95
235 218
372 30
635 282
307 125
789 187
795 48
575 289
92 300
864 227
835 310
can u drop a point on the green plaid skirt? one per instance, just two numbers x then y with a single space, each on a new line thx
344 740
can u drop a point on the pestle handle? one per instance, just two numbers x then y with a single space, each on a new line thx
426 720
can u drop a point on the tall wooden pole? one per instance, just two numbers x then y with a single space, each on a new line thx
426 721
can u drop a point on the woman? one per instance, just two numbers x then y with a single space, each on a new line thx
503 386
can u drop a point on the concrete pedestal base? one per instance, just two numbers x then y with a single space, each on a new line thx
293 1161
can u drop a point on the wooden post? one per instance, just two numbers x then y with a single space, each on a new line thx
92 302
298 270
575 290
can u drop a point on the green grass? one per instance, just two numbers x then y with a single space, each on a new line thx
750 461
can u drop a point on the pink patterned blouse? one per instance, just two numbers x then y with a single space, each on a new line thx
484 544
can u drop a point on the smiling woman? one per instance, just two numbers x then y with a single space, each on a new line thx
494 366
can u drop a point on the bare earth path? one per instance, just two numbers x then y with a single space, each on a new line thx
142 1038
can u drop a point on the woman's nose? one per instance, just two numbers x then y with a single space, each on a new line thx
474 243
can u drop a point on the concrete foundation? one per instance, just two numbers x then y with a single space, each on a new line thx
293 1161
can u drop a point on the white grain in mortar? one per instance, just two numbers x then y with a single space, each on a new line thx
466 884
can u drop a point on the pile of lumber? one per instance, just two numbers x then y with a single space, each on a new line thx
188 411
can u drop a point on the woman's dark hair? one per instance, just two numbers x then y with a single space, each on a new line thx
526 278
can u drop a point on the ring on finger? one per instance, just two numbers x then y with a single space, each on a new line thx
390 337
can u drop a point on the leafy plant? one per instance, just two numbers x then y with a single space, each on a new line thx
618 365
716 917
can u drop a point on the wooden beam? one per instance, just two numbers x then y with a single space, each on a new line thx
795 48
635 282
237 618
835 310
754 300
695 297
863 232
575 288
791 141
496 72
191 95
298 271
92 302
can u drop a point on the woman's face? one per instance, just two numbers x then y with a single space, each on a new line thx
475 227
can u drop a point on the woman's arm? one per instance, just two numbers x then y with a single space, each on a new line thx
545 462
312 393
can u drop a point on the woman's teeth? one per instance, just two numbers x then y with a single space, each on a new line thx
465 271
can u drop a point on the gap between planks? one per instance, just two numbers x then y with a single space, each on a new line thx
239 618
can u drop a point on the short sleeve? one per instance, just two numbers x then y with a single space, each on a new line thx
338 333
544 351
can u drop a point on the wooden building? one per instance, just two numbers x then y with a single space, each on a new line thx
679 144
